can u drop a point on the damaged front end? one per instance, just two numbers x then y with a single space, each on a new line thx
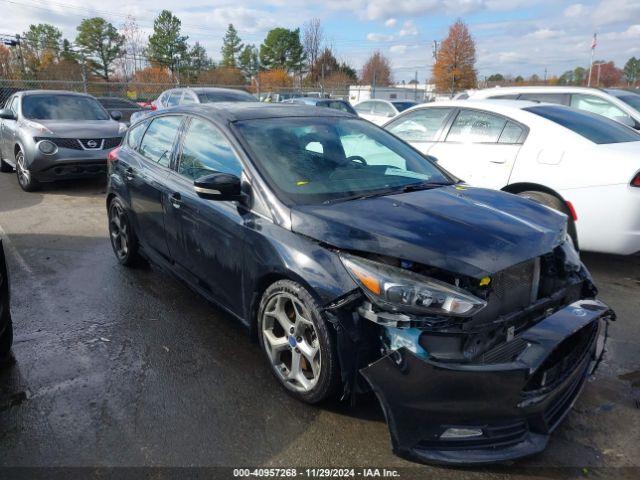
471 370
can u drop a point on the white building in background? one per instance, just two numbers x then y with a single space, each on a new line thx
416 93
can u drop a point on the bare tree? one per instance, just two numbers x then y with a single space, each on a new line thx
133 59
312 40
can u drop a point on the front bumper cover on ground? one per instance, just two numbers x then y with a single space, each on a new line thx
514 405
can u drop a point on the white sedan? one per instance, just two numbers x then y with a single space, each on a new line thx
380 111
582 164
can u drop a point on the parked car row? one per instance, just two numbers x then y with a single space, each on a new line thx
358 262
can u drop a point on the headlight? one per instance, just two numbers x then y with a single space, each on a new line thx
122 127
400 290
47 147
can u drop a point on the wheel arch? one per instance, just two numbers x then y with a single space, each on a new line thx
261 285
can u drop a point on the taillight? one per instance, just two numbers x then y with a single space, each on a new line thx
113 155
636 180
153 106
572 210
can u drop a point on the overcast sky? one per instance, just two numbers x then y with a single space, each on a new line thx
518 37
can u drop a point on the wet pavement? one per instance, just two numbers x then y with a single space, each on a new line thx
120 367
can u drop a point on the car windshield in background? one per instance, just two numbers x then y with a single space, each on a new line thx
62 107
314 160
342 106
593 127
117 103
632 100
402 106
212 97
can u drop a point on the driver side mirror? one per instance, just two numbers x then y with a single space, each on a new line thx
116 115
7 114
218 186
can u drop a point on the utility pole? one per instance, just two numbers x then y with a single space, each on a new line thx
545 75
415 88
19 43
593 48
373 89
84 72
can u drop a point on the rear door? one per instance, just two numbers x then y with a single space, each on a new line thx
206 237
480 148
147 181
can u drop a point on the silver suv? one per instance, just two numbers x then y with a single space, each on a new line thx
52 135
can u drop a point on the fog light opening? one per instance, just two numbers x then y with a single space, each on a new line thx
456 433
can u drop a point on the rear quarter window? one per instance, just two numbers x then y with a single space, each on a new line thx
593 127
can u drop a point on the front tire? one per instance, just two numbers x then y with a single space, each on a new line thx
554 202
297 342
121 234
25 178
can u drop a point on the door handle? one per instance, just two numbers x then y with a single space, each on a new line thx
498 160
176 200
129 173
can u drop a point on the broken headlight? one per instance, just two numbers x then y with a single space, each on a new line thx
398 290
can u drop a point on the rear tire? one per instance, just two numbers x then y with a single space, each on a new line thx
25 178
554 202
5 167
123 239
307 366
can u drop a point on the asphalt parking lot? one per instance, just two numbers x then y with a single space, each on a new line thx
119 367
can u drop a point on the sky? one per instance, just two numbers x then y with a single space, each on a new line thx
513 37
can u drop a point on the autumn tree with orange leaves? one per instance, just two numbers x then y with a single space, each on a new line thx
454 69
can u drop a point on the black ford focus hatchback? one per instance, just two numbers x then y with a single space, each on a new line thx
360 265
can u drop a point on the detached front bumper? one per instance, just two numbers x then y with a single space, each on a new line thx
491 412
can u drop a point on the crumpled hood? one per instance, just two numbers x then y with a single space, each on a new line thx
464 230
81 128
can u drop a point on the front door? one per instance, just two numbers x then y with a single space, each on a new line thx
8 131
480 148
206 237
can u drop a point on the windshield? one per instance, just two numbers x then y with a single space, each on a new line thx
212 97
325 159
337 105
62 107
593 127
402 106
632 100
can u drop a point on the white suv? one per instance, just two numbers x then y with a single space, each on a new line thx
620 105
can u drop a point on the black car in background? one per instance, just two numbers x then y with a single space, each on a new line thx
6 326
122 105
359 265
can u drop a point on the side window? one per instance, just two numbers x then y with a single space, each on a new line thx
174 98
205 150
420 125
383 110
600 106
473 126
135 134
511 133
559 98
187 98
364 107
157 142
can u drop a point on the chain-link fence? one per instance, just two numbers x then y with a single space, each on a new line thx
144 92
